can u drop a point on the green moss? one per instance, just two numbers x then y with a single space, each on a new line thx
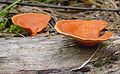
18 30
110 59
3 24
106 60
98 63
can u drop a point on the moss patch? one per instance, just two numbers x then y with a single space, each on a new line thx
106 60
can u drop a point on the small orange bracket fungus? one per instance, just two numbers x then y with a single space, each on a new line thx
84 32
32 22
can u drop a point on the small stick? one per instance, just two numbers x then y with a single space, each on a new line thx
62 7
87 61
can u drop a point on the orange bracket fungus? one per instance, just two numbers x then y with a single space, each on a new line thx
32 22
84 32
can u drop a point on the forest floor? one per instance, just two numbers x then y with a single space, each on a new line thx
52 53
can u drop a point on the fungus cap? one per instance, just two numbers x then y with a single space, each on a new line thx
84 32
32 22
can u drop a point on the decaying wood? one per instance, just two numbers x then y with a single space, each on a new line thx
87 61
41 54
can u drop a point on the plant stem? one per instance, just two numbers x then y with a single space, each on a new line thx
5 9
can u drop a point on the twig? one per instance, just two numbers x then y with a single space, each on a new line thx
62 7
87 61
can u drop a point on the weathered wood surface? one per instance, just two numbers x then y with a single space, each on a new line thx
42 53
